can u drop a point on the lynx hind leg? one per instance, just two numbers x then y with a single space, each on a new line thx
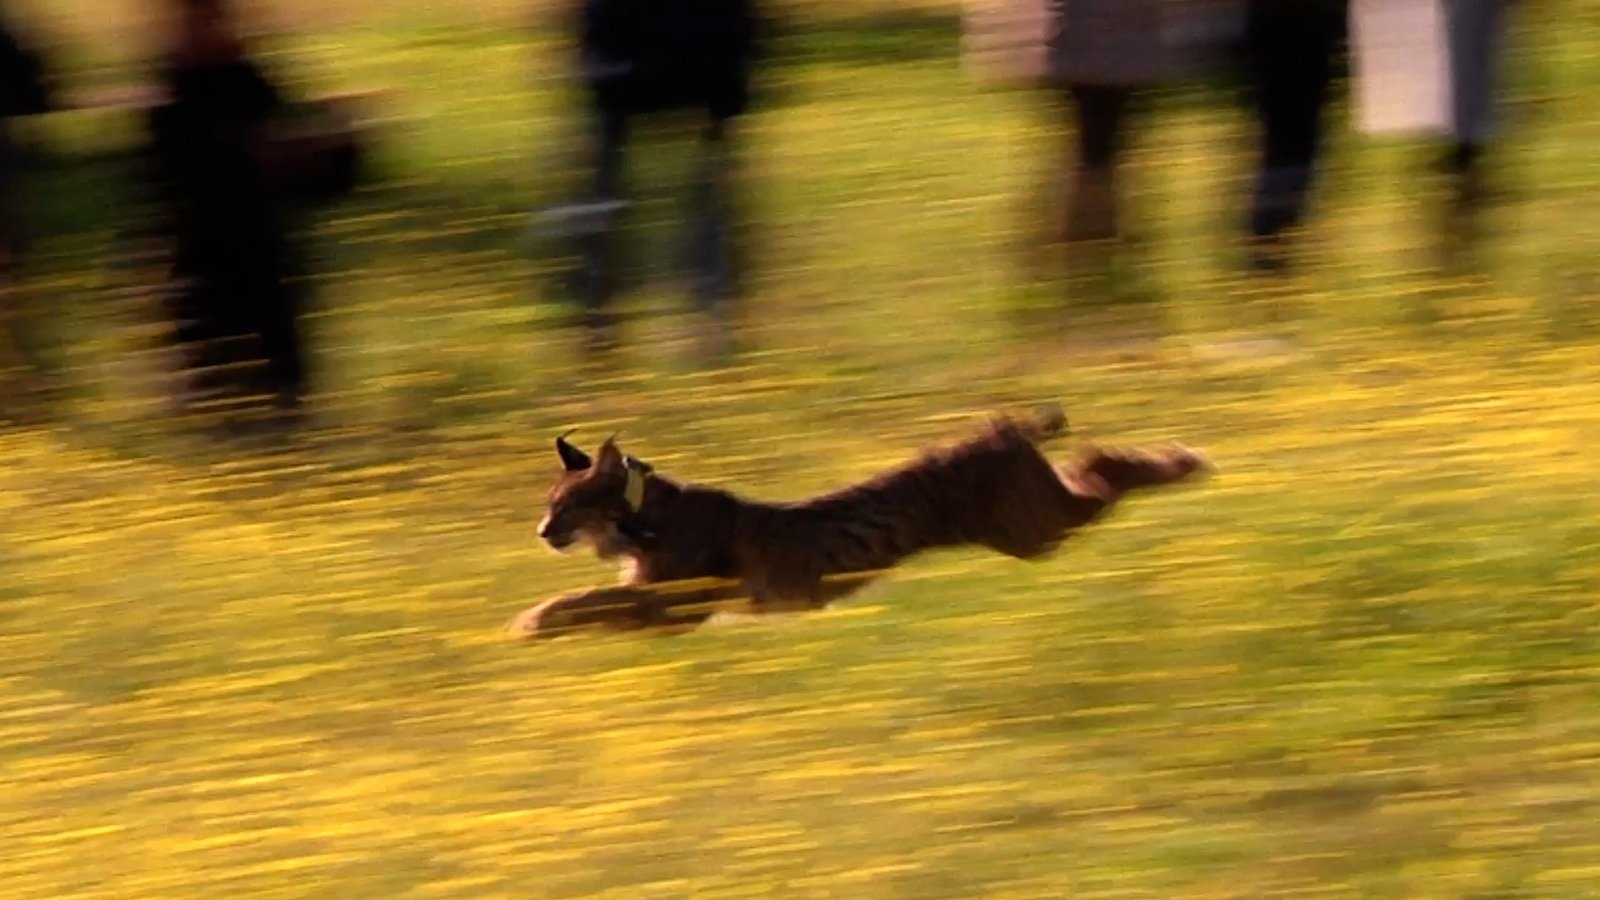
1039 424
1108 474
1049 420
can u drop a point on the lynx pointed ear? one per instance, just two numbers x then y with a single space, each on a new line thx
572 458
609 456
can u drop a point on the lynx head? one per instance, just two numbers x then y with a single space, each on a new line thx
592 499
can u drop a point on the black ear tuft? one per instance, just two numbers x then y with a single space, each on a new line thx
572 458
637 465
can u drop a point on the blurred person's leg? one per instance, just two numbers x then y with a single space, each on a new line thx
282 343
238 319
24 91
1290 49
13 363
712 230
1107 54
24 379
598 245
1092 201
200 339
1475 30
1094 260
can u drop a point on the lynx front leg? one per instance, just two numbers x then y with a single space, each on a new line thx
1109 474
623 608
611 608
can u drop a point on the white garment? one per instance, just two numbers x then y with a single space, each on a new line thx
1400 63
1006 42
1110 42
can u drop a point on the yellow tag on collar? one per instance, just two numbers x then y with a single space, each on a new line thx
633 490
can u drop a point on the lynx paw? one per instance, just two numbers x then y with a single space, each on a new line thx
1187 461
546 620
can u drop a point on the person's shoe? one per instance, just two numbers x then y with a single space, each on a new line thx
1278 206
1467 195
1268 254
715 343
600 342
1091 213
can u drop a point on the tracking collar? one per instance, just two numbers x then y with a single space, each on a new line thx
633 489
633 497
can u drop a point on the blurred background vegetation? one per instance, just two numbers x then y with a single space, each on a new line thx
1362 662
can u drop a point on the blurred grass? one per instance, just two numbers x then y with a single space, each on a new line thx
1360 663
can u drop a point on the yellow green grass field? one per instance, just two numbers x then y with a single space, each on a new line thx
1362 661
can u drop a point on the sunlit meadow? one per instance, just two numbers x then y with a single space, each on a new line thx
1363 661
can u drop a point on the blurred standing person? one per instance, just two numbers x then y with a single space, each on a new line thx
637 57
231 188
1104 53
24 91
1100 59
1291 52
1431 67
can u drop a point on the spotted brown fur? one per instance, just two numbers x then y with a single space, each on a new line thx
689 550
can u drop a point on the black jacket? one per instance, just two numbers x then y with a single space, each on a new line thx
648 55
24 88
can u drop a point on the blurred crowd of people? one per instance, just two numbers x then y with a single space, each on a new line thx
230 168
1424 67
234 166
24 91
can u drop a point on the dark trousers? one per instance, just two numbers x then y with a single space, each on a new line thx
710 241
12 237
20 363
1100 114
245 337
280 330
1476 31
1290 48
